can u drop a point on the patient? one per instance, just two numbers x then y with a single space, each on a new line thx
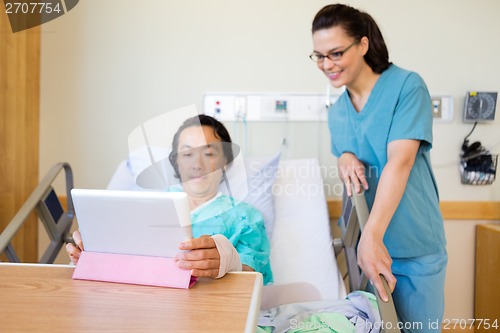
228 235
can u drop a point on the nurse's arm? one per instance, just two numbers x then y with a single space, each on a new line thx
352 173
373 257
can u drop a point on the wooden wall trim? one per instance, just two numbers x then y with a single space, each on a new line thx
471 210
19 130
451 210
334 208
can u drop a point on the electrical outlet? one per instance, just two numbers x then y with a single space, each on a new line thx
442 108
436 107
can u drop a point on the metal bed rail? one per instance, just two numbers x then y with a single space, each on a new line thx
56 220
354 216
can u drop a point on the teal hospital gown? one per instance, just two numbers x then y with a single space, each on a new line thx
242 224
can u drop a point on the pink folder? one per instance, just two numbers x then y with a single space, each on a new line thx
121 268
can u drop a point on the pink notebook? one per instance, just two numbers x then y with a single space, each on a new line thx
123 268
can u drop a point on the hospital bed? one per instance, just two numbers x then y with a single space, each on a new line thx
354 216
303 251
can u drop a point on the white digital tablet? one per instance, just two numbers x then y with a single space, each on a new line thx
149 223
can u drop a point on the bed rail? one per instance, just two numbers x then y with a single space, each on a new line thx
56 219
354 216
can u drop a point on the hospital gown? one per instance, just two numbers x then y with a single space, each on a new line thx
242 224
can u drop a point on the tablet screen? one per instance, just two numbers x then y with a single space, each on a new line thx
149 223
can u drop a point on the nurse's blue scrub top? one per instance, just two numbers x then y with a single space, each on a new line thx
399 107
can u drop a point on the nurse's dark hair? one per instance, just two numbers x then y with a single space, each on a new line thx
356 24
220 132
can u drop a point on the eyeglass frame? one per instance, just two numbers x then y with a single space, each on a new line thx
341 54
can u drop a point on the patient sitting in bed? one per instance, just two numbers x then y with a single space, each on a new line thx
228 235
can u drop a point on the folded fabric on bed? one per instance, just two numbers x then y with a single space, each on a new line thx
358 312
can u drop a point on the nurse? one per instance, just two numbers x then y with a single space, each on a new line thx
381 134
228 235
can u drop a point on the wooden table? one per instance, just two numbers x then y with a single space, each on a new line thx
44 298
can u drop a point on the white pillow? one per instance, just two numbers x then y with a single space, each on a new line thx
261 178
302 257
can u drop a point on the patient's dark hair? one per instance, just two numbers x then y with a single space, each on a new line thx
356 24
202 120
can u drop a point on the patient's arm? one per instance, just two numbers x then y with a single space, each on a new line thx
200 256
74 251
247 268
211 256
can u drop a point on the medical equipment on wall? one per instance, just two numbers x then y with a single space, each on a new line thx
288 116
266 107
480 106
477 165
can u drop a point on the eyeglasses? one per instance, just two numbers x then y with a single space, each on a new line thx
333 56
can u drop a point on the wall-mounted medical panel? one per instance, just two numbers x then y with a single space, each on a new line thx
267 106
442 108
230 106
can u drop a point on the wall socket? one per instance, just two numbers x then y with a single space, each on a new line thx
442 108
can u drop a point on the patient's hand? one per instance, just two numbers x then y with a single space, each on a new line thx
201 257
74 251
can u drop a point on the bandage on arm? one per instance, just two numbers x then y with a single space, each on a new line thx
229 258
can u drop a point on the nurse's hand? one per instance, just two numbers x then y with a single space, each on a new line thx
352 173
374 259
74 251
201 256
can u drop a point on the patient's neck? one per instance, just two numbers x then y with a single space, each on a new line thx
195 202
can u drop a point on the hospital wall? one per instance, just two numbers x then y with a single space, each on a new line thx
107 66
